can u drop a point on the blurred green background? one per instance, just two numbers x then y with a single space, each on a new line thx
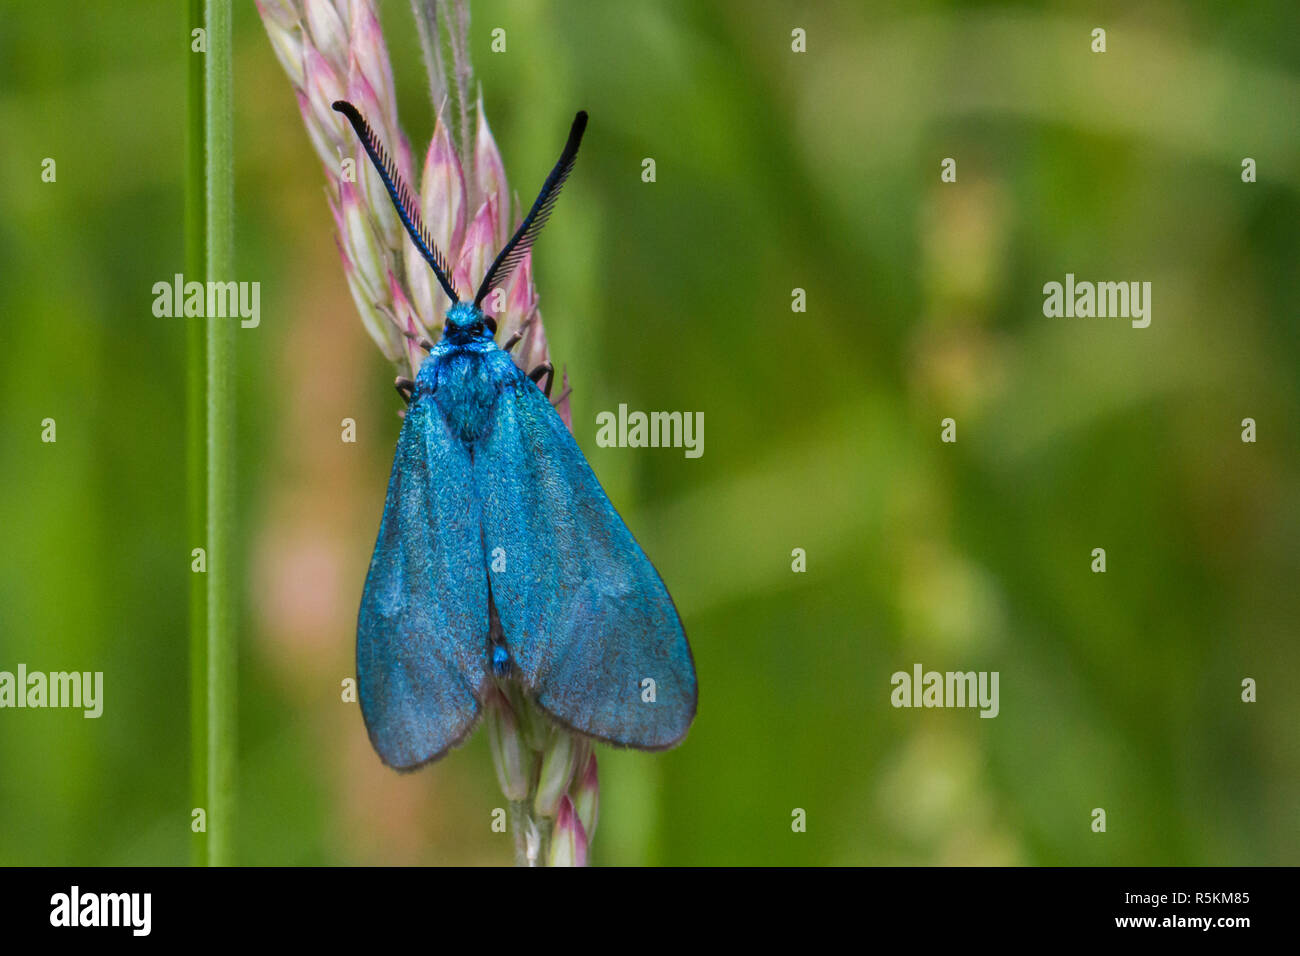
775 170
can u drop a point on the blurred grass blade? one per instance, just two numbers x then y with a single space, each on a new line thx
221 439
196 460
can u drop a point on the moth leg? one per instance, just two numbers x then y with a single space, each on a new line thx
423 341
405 387
519 333
547 369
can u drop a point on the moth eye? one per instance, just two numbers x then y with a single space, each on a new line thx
491 323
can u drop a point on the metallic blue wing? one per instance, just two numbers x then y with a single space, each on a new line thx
423 628
585 614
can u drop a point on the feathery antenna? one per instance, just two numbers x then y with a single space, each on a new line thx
515 250
407 208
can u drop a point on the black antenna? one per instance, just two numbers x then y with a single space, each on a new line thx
407 208
522 241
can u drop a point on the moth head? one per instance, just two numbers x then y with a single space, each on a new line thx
467 322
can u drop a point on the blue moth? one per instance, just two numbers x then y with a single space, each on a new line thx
500 557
